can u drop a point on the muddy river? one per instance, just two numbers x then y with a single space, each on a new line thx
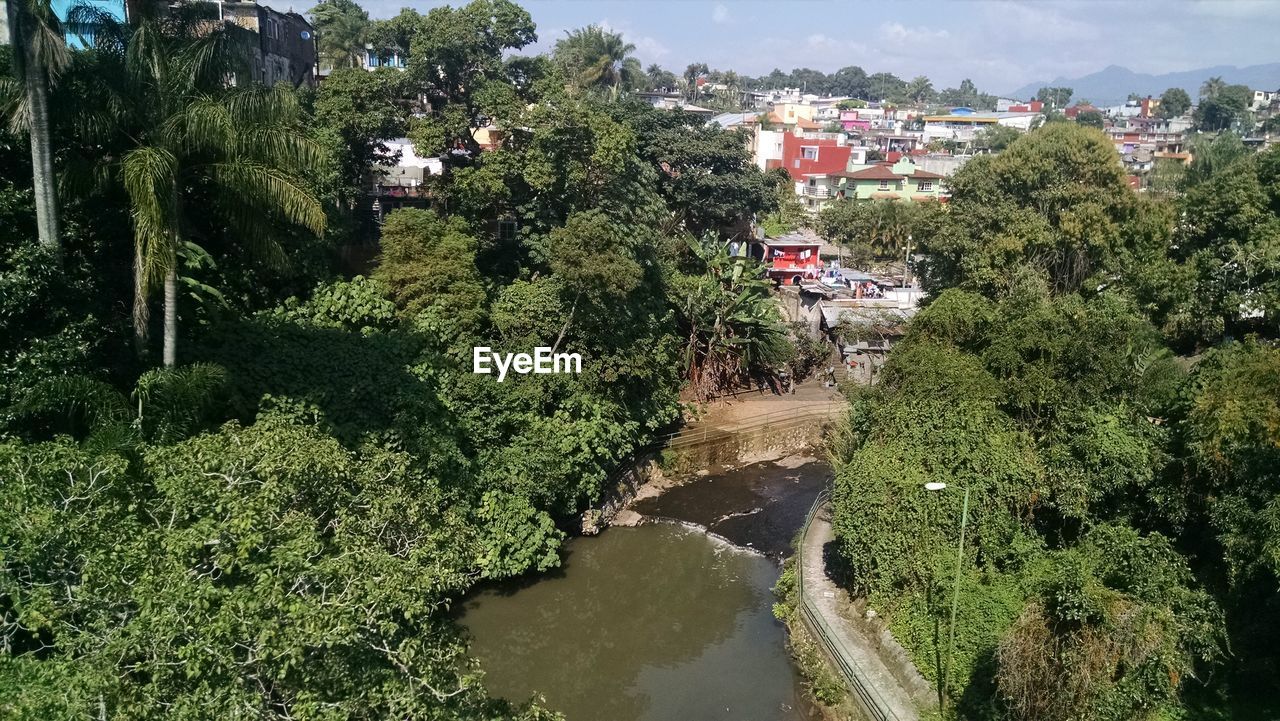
667 621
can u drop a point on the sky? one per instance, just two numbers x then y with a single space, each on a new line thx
999 45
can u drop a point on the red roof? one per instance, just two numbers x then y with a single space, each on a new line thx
880 172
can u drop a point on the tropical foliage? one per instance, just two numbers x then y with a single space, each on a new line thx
1120 547
277 525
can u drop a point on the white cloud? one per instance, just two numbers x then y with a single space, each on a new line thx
720 14
650 49
901 34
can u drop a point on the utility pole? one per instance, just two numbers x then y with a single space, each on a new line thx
906 265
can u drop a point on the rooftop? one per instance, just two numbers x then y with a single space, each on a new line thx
881 172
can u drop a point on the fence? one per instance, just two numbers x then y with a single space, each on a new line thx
855 678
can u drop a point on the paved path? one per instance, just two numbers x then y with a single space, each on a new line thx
826 598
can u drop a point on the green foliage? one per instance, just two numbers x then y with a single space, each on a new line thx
733 329
428 264
355 111
995 138
342 27
279 528
1174 103
595 59
1055 201
877 229
263 531
1223 107
1040 405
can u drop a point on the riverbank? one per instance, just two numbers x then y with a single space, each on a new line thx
876 667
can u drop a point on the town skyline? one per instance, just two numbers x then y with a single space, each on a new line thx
999 45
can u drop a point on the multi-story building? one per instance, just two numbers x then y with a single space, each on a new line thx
1154 134
962 124
281 47
900 181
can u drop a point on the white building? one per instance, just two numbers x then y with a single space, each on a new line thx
962 126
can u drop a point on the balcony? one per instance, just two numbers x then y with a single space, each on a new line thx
817 191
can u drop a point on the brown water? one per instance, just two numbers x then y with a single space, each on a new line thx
660 622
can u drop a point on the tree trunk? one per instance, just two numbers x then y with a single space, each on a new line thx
141 312
171 317
35 81
568 321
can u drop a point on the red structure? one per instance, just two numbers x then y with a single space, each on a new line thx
805 156
792 261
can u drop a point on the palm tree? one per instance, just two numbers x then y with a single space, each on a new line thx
732 85
691 75
342 28
1212 87
40 55
659 78
596 58
919 89
195 149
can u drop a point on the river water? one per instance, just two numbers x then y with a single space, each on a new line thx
660 622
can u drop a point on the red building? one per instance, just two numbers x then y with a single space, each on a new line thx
1034 106
1074 111
792 258
813 156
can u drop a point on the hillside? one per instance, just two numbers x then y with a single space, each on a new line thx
1112 85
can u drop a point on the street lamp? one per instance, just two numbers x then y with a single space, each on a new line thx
955 593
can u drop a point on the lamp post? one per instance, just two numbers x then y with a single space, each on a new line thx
955 593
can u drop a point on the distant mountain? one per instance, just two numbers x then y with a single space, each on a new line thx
1112 85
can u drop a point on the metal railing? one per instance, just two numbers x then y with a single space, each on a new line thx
855 678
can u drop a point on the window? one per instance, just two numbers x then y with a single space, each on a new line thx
884 185
925 186
812 182
809 152
507 230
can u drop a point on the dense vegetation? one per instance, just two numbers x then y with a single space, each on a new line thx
275 522
1100 371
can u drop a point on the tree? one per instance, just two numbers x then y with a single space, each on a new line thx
39 55
194 142
966 95
850 81
1056 200
660 78
1211 87
428 263
1174 103
396 34
342 28
885 86
355 112
705 174
1055 98
692 73
732 326
995 138
1224 107
456 63
919 90
1090 118
593 57
879 226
